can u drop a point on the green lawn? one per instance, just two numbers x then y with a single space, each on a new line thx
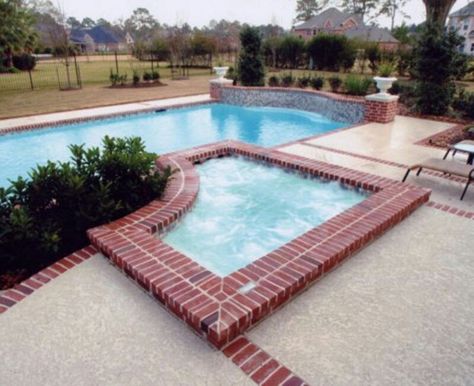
93 72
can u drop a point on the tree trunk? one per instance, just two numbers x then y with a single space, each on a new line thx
437 11
9 57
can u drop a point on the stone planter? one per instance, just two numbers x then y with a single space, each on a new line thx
220 71
384 84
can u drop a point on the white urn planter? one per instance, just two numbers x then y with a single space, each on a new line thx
384 84
220 71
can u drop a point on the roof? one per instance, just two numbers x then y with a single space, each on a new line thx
99 34
468 10
336 17
371 34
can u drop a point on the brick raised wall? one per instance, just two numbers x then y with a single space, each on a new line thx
381 111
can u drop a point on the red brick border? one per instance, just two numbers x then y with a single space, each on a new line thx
451 210
16 294
259 365
216 307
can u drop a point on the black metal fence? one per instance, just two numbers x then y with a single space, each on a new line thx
63 74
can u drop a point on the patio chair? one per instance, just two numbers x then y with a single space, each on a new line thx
449 167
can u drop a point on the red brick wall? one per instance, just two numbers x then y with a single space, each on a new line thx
382 112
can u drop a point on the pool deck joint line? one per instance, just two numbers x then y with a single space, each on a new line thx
213 306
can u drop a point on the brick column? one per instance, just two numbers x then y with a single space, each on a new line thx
216 86
381 107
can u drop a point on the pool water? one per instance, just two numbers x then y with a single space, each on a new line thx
245 210
162 132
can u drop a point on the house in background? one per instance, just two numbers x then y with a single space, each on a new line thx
100 39
463 22
334 21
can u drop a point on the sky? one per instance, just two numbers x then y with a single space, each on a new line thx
199 13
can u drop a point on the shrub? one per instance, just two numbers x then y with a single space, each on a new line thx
273 81
386 69
335 82
287 80
373 55
24 62
251 71
136 77
291 51
303 81
317 82
114 78
331 52
464 103
147 76
155 75
437 63
355 85
46 216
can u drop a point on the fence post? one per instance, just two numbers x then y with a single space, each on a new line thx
116 63
31 80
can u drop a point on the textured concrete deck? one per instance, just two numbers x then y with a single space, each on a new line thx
98 111
92 326
398 313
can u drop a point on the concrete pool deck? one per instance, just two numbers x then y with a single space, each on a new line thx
398 312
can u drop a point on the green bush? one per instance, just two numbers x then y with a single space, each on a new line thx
291 51
287 80
136 77
464 103
155 75
355 85
251 71
45 217
147 76
303 81
317 82
335 82
273 81
331 52
24 62
373 55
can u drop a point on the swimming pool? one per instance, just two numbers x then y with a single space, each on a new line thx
245 210
163 132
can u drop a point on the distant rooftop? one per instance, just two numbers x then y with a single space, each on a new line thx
468 10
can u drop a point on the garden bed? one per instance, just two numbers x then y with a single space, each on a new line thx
139 85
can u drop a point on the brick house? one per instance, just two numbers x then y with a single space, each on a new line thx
334 21
463 22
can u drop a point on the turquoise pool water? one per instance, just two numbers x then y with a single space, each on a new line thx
245 210
162 132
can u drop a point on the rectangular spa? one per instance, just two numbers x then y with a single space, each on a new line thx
246 209
301 241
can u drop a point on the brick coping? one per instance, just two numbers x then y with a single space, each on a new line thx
216 307
99 117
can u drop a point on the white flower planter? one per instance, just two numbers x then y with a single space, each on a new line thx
221 71
384 84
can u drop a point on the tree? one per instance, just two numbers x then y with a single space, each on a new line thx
391 8
141 25
202 46
437 62
251 70
403 34
360 7
291 51
73 23
306 9
87 22
16 29
437 11
331 52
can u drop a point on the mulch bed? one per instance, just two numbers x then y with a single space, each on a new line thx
139 85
